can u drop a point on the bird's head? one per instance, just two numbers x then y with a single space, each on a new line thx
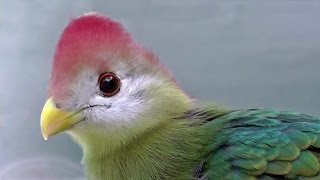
104 84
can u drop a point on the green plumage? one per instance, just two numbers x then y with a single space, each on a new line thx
264 144
212 143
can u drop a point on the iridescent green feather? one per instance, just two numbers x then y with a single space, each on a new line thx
265 144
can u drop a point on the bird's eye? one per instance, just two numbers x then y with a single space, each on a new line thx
109 84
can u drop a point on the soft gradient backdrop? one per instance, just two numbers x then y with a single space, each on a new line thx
243 54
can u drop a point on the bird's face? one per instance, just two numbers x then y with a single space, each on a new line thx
103 83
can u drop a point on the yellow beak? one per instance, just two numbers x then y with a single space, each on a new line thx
54 120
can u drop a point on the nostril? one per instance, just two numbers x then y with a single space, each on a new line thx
58 105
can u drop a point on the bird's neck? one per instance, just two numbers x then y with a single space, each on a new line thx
169 151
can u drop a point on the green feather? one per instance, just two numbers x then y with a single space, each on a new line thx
272 154
317 142
306 165
247 152
299 139
239 176
289 152
218 159
250 164
278 168
313 137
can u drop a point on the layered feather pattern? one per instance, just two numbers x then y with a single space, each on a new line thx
265 144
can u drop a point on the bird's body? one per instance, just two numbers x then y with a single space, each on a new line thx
134 122
205 144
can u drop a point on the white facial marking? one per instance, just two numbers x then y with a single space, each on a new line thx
124 107
119 110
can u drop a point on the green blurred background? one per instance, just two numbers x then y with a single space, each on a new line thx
244 54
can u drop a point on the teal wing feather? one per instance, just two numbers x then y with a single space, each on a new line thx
264 144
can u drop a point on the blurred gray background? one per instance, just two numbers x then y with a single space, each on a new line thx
239 53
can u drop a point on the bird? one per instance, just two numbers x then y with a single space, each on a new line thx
132 120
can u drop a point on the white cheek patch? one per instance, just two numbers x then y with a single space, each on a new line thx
126 106
122 109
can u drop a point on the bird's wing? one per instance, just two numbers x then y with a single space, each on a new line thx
265 144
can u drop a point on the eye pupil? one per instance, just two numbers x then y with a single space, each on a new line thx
109 84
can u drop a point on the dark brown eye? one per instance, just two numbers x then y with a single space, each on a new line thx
109 84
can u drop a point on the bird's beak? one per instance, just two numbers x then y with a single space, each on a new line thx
55 120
